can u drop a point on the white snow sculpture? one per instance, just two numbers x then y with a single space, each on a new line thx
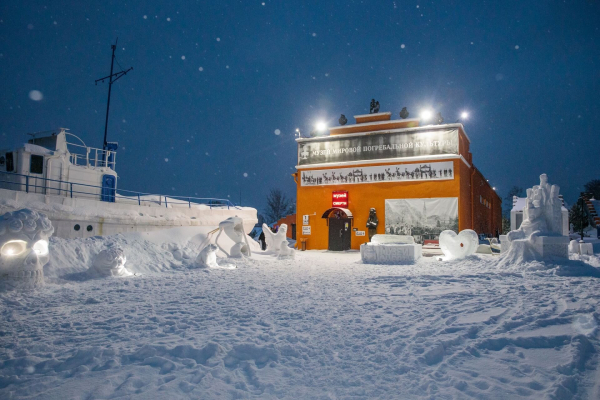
574 246
23 249
286 251
391 249
110 262
277 242
234 229
207 258
459 246
541 229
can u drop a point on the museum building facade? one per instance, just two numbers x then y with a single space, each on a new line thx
420 180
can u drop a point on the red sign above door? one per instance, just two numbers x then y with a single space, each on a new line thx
339 199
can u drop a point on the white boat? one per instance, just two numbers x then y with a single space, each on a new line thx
77 187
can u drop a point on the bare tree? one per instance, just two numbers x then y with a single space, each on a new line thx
593 187
514 191
278 206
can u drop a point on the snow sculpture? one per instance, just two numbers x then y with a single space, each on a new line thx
110 262
277 242
234 229
24 249
541 230
391 249
459 246
207 258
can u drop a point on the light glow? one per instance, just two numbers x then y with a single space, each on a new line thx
13 248
41 247
426 115
321 126
464 115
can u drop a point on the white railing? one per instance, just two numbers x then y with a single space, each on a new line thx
92 157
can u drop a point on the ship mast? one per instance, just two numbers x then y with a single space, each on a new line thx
110 77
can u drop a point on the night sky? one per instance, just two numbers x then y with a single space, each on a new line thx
219 87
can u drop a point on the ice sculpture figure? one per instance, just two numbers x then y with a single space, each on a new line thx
24 248
540 234
110 262
207 258
542 212
459 246
234 229
277 242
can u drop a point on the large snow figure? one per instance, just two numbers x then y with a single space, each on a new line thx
234 229
277 242
110 262
540 234
24 249
459 246
542 212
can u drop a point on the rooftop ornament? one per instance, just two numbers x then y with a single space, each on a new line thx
404 113
439 119
343 120
374 109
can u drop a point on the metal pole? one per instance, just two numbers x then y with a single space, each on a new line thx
110 82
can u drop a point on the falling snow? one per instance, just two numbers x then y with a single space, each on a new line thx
277 132
36 95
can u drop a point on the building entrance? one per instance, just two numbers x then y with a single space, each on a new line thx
339 233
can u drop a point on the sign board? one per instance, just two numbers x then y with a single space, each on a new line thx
360 233
306 230
378 146
425 171
339 199
305 220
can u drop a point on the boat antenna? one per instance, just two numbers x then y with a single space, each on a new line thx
110 77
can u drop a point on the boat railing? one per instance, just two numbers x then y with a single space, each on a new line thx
91 156
34 184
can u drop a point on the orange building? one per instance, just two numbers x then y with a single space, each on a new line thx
419 180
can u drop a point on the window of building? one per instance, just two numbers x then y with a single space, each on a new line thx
10 164
36 166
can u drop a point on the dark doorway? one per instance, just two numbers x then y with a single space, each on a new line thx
339 233
293 231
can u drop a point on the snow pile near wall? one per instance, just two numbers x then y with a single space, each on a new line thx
146 252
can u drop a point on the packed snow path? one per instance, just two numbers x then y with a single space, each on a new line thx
322 326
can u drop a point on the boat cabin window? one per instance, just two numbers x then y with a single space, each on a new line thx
10 165
36 166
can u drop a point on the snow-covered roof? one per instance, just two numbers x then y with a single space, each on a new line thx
374 114
35 149
412 129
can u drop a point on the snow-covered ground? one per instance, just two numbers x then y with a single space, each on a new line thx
320 326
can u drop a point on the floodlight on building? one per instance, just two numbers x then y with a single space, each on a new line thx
321 126
494 188
426 115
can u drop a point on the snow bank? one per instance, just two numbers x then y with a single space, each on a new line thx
146 252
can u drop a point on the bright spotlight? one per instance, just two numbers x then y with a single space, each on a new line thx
321 126
426 115
464 115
